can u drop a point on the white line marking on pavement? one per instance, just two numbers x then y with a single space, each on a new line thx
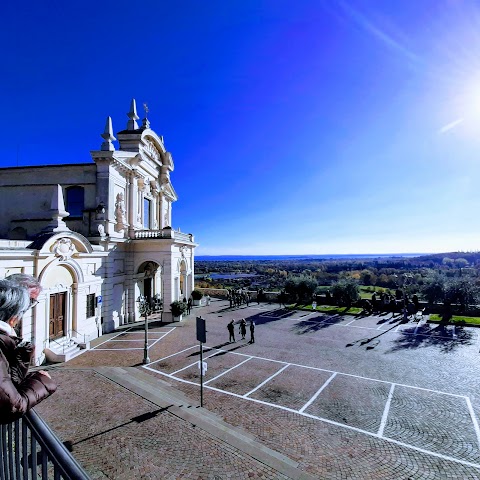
172 355
117 349
349 323
131 340
195 363
142 333
267 380
383 422
266 315
341 373
226 371
111 338
474 418
163 336
326 420
319 391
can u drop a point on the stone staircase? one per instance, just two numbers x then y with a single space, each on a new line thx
64 349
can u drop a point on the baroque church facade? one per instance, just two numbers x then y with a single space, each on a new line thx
98 236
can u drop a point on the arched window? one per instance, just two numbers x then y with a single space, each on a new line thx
75 201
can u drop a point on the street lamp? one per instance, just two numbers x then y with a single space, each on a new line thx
144 309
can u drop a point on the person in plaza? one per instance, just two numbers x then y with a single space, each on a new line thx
415 301
189 305
252 331
231 331
243 328
208 300
19 390
186 304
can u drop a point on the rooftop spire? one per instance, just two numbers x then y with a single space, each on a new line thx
107 135
57 207
132 115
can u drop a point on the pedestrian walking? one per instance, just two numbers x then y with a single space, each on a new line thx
252 331
243 328
189 305
231 331
208 300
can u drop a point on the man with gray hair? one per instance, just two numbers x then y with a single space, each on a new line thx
19 390
33 287
29 282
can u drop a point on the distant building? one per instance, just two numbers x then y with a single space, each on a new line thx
97 236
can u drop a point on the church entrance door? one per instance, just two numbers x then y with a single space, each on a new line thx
57 315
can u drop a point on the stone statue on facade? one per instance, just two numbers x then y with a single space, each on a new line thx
120 213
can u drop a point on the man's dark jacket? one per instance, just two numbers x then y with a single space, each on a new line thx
19 390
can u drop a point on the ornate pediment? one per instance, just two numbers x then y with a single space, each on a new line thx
151 150
167 190
63 248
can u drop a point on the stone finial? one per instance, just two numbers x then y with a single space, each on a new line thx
57 207
132 115
107 135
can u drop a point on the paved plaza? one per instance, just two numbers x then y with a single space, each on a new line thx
323 396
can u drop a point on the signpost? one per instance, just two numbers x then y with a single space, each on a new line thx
202 338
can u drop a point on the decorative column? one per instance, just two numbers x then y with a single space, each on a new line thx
132 203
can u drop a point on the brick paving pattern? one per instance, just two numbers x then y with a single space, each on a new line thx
369 363
115 434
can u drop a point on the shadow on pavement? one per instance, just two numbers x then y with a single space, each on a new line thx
241 345
140 326
314 324
208 349
372 342
439 336
270 316
139 419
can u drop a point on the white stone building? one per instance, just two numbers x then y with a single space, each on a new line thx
97 236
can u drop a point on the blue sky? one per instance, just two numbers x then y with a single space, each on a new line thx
296 127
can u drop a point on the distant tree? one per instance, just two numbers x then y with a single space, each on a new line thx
448 262
460 262
433 288
367 277
345 292
306 288
463 291
300 289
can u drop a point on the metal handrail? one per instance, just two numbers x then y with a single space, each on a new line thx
78 333
30 449
58 343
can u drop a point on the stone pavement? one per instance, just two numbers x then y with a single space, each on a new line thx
326 396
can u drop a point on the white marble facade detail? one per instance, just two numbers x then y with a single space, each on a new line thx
89 266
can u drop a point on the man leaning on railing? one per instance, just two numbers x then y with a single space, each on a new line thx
19 390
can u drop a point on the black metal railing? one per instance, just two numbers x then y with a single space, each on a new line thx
30 450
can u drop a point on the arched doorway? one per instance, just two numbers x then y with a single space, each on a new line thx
58 285
149 284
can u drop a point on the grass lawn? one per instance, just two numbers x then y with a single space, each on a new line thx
472 321
327 309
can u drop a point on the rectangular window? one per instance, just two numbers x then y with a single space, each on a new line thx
90 305
146 213
75 201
